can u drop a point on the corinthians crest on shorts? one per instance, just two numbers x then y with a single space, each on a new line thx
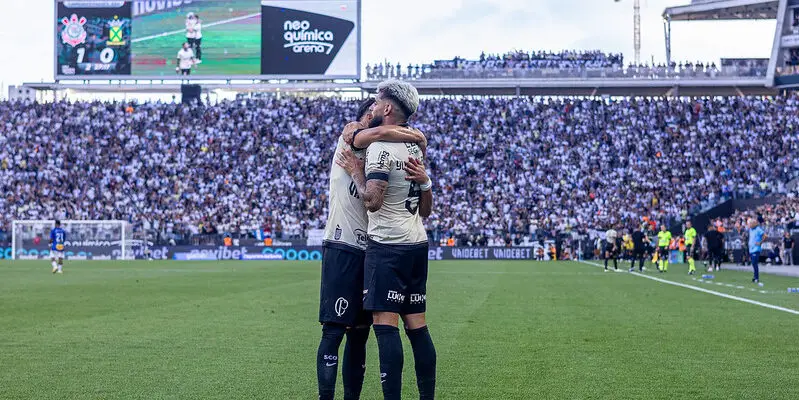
73 33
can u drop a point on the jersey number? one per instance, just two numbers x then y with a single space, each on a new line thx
412 202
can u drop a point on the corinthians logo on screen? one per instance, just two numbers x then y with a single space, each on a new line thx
299 42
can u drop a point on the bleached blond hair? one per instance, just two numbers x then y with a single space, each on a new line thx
401 92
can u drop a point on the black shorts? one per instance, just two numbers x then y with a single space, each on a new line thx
194 42
186 71
663 252
396 278
692 251
607 250
341 294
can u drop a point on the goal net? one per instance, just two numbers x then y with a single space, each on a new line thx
86 240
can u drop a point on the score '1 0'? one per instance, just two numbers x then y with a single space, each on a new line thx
106 56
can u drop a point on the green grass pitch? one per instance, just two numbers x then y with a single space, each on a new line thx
232 48
503 330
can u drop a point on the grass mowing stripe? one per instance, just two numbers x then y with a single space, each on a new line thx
713 292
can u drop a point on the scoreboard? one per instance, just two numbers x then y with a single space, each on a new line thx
93 40
207 39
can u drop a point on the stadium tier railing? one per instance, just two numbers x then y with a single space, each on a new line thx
579 73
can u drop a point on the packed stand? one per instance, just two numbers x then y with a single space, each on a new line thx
516 60
506 170
780 221
565 64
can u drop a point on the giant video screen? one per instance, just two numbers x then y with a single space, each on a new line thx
207 39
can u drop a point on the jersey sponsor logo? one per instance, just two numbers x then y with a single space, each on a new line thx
382 160
354 190
337 234
395 297
341 306
115 37
361 236
74 33
418 298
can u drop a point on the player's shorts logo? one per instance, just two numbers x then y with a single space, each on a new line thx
74 33
395 297
341 306
115 32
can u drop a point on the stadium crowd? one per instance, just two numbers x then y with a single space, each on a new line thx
775 218
565 64
505 169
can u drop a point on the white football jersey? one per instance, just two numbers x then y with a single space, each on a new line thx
398 220
190 34
346 218
611 236
185 58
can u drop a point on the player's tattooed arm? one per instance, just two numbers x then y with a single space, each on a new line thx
388 133
416 172
375 194
372 191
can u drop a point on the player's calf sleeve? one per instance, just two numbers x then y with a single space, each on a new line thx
389 346
327 360
354 363
424 356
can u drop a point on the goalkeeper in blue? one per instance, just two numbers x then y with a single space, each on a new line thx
57 239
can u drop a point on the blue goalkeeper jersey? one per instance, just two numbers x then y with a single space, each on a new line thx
58 237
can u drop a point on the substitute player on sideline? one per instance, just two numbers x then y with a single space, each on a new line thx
341 293
396 257
58 239
610 248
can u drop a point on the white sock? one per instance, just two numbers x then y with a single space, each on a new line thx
54 264
59 267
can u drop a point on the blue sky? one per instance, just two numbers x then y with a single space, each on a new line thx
424 30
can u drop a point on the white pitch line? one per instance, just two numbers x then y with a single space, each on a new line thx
713 292
170 33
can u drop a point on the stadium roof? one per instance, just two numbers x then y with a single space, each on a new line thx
714 10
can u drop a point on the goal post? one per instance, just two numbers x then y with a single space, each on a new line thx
86 239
